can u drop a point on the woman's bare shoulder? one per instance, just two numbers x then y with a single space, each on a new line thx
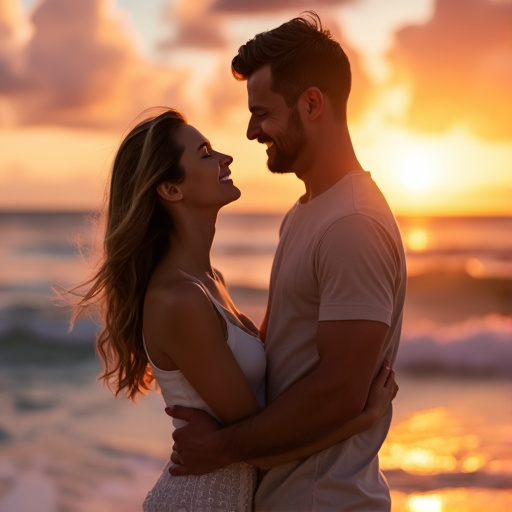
176 309
175 295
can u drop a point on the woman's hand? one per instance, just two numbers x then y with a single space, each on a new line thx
382 391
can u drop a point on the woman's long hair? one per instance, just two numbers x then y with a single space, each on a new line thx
136 238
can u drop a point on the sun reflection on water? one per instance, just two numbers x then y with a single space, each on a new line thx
416 239
454 458
431 442
430 503
454 500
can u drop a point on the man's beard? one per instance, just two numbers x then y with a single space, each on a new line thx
287 147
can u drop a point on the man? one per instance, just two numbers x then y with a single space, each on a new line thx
336 293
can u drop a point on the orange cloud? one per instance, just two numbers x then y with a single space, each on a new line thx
81 68
12 32
76 64
270 5
203 27
363 88
458 67
192 26
195 34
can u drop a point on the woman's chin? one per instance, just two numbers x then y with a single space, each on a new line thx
235 196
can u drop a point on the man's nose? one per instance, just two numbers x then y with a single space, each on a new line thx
253 129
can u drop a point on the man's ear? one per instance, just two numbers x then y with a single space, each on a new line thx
169 191
313 102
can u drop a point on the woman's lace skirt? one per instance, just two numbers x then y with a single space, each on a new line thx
229 489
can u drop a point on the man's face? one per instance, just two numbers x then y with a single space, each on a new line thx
273 123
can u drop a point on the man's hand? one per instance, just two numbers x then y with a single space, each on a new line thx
199 447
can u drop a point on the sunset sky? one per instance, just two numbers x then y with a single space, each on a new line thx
430 112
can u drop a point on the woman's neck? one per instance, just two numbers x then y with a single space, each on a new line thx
189 246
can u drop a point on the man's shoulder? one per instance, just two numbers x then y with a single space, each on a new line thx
355 193
354 200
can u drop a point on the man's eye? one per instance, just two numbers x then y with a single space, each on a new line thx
206 154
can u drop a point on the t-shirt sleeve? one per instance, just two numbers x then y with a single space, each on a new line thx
356 269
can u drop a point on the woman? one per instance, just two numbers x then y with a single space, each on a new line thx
167 313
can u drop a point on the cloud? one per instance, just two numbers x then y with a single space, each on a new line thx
192 26
81 68
199 26
363 89
13 31
266 6
197 33
458 66
76 64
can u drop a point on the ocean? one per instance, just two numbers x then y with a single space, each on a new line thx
67 445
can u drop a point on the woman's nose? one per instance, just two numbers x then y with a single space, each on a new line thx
226 159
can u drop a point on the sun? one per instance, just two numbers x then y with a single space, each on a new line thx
417 171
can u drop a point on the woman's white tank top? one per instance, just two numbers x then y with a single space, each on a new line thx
249 354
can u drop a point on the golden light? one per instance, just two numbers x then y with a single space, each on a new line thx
474 267
431 442
417 171
431 503
419 460
431 420
453 500
417 240
472 463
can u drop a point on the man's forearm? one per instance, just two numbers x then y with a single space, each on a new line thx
334 392
382 392
310 409
352 427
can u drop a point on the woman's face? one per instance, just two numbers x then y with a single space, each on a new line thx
207 176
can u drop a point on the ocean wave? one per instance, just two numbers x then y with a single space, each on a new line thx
476 347
55 250
29 335
19 348
400 480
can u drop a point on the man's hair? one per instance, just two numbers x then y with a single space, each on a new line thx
301 54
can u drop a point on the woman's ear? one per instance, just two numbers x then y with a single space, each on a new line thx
169 191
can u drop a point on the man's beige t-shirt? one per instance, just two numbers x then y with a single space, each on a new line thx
340 257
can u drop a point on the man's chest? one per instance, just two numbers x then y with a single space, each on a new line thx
294 273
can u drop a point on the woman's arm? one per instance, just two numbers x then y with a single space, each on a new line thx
383 390
184 325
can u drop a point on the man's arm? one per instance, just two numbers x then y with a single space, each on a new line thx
383 390
334 393
349 351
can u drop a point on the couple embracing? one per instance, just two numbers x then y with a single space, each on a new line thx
289 416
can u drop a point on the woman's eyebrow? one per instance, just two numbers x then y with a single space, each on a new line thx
202 145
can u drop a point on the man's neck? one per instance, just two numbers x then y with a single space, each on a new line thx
329 157
322 183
